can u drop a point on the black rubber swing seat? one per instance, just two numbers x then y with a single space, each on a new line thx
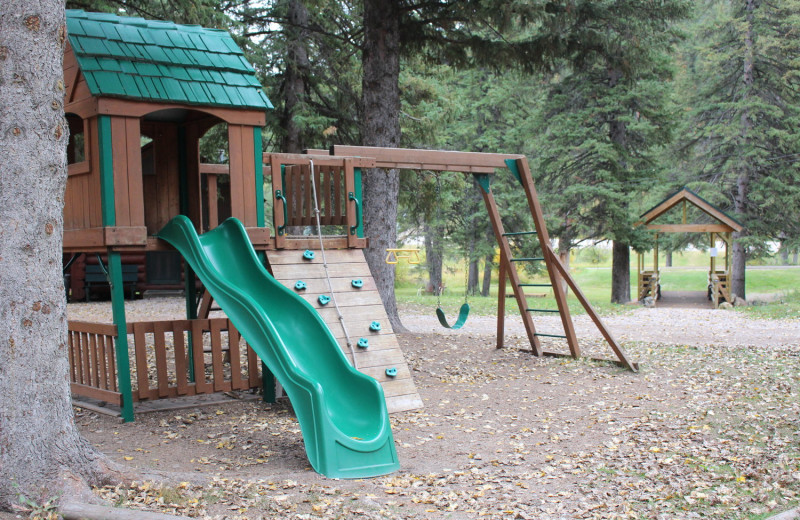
463 314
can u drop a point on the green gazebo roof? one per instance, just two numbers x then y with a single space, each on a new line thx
149 60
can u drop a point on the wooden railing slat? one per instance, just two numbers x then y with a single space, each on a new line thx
140 354
218 373
235 359
199 356
181 372
160 345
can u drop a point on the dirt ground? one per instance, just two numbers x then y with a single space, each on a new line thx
709 428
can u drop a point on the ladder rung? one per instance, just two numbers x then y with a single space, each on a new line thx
542 310
550 335
529 259
517 233
535 285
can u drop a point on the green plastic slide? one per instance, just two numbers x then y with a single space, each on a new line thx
342 412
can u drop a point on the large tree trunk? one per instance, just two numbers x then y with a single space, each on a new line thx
620 273
784 254
433 255
297 65
668 258
739 252
380 126
488 264
41 452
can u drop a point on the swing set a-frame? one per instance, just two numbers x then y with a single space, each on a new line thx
482 166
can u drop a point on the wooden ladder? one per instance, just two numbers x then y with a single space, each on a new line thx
559 276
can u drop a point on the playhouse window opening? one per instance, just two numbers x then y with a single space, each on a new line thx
76 146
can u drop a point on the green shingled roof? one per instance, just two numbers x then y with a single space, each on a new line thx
162 61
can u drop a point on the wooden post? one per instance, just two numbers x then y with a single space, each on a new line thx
501 302
655 257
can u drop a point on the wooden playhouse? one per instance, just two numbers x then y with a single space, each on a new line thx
139 96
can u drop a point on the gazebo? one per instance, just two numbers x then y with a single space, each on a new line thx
717 224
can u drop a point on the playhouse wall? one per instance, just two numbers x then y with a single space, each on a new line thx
82 197
242 174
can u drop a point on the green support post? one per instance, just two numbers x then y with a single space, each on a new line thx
118 312
109 215
267 377
360 196
259 162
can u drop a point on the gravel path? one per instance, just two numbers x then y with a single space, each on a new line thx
674 326
693 327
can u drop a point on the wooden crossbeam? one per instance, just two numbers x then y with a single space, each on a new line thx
434 160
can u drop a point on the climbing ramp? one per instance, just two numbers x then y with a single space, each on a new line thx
365 318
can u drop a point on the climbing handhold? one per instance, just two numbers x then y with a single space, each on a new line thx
357 283
391 372
300 285
363 343
324 300
308 254
375 326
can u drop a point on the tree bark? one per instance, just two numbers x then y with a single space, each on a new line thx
41 451
668 258
564 247
784 253
620 273
739 252
380 126
795 257
433 255
487 274
297 66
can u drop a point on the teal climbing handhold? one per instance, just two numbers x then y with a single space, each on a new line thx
357 283
300 285
308 254
391 372
363 343
324 300
375 326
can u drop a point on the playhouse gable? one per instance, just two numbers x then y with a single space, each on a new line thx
139 59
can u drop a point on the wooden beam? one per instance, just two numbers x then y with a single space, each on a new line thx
214 169
687 195
319 160
435 160
137 108
690 228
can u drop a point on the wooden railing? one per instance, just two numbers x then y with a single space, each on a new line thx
168 359
648 284
331 196
92 364
164 366
720 288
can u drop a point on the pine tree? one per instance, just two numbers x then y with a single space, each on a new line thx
606 117
744 116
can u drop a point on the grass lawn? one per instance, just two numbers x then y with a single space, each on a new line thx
690 274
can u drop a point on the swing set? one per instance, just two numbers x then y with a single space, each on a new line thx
483 166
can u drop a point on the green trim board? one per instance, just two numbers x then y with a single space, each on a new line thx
260 218
107 204
150 60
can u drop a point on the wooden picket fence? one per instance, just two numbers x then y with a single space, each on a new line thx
167 359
